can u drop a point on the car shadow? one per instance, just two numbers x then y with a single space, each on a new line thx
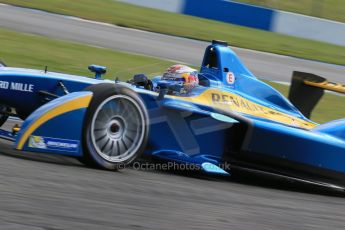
243 178
6 150
249 179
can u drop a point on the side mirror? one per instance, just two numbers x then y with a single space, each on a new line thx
98 70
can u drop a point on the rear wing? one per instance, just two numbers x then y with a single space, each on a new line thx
2 64
307 89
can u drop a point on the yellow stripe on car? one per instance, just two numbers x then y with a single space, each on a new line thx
233 102
78 103
336 87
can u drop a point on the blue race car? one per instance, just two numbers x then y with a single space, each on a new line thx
224 119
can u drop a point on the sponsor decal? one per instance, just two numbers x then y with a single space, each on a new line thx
37 142
230 78
56 144
4 84
234 102
240 104
17 86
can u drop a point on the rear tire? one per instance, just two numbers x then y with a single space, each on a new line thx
3 108
3 117
116 127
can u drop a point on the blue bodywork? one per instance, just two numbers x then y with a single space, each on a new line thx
265 131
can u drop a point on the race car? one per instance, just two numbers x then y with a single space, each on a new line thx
230 120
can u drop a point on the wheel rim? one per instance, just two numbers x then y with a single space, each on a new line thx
118 128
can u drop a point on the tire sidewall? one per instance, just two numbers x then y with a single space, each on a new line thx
3 118
100 93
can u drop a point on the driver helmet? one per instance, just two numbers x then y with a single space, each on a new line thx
188 76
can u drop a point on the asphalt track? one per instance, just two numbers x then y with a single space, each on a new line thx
50 192
264 65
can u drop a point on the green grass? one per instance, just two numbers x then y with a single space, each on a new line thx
24 50
329 9
186 26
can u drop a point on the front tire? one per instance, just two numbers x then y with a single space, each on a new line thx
115 128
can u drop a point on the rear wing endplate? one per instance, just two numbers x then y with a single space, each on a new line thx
307 89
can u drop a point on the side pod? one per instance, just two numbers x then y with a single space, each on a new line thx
334 128
307 89
56 127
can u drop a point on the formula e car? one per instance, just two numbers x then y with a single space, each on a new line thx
231 119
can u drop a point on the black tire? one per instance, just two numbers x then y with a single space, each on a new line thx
3 108
116 129
3 117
